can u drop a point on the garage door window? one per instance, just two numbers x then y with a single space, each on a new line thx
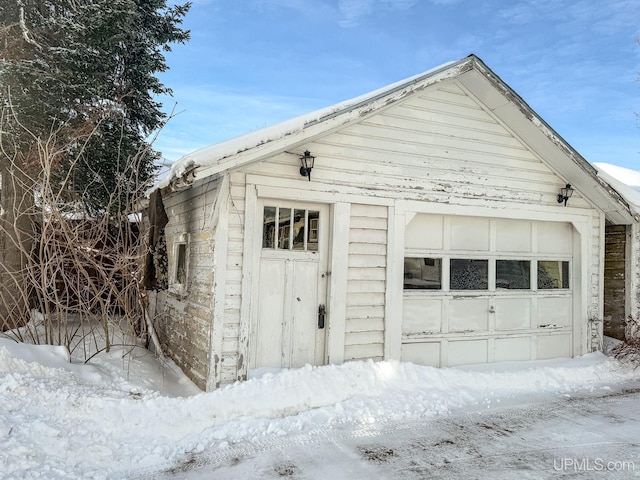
553 274
423 273
513 274
469 274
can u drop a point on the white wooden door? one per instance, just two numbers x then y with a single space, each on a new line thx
292 285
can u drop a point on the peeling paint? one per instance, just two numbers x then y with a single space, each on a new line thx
240 362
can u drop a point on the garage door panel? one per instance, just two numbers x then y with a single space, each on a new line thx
512 349
554 346
425 231
422 353
554 311
465 352
513 235
469 315
421 315
554 237
469 233
513 313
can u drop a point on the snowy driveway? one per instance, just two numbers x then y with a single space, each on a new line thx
558 418
584 436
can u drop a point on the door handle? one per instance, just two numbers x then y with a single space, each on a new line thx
322 311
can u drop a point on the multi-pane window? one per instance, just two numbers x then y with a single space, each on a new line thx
425 273
290 229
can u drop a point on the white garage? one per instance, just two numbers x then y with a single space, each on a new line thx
480 289
430 221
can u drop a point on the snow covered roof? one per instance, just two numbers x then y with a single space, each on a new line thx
222 154
625 181
472 73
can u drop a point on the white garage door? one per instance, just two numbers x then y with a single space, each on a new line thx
486 290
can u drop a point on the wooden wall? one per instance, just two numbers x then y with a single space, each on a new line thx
183 319
366 285
440 146
614 280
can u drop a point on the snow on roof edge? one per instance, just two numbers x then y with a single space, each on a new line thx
212 154
625 181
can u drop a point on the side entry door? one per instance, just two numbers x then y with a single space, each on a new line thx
292 285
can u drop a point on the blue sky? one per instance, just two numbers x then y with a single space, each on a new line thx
252 63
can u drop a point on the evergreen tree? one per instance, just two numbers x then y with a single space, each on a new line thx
77 86
83 72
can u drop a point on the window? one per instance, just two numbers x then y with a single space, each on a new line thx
469 274
290 229
181 263
423 273
269 227
513 274
553 274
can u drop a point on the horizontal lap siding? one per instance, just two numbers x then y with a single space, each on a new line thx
233 290
364 327
439 146
614 281
596 271
184 321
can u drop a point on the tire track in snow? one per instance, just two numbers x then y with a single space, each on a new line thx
499 420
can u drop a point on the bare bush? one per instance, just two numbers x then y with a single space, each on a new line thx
628 351
69 277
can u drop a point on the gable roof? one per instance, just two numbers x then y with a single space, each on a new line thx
473 74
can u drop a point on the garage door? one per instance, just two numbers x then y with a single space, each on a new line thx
486 290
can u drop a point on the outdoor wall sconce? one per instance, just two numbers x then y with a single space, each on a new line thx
306 162
565 194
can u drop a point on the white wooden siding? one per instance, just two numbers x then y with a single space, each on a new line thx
232 363
364 330
184 322
440 147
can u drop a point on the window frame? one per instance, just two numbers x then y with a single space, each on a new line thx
284 238
492 289
175 285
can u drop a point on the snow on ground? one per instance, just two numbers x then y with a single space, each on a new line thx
125 413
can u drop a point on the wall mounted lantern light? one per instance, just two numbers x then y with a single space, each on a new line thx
565 194
306 162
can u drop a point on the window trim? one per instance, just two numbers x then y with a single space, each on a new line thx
175 286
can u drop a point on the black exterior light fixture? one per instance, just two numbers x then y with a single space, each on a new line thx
565 194
306 164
